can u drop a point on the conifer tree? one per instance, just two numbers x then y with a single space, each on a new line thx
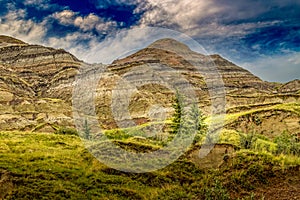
86 130
176 120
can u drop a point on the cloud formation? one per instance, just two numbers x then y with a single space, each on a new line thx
85 23
13 24
247 32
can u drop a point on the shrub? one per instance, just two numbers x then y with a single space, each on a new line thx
287 144
247 140
66 131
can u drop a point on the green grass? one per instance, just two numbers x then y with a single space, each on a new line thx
142 133
288 107
53 166
229 137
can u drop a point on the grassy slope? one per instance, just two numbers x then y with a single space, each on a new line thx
44 166
290 107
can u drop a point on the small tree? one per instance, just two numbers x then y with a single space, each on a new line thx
188 120
199 118
86 130
197 122
177 117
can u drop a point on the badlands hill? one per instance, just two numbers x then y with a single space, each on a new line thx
36 86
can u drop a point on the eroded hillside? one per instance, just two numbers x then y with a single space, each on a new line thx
36 86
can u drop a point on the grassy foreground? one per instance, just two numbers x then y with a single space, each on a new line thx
50 166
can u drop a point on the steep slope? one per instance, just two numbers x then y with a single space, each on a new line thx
170 52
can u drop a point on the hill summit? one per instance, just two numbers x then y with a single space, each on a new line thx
170 44
7 41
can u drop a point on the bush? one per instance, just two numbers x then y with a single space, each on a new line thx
287 144
247 140
66 131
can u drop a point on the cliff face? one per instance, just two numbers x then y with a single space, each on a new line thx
36 86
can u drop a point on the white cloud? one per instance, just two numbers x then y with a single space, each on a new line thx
205 18
186 14
35 2
13 24
103 4
85 23
295 60
92 21
65 17
71 43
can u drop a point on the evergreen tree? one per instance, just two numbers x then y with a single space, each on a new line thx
189 120
177 117
86 130
193 123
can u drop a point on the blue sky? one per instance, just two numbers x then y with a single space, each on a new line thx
261 36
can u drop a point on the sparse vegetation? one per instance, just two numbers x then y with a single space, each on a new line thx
287 144
247 140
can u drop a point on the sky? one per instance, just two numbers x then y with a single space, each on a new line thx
261 36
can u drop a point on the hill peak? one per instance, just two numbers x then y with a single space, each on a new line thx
10 40
170 45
